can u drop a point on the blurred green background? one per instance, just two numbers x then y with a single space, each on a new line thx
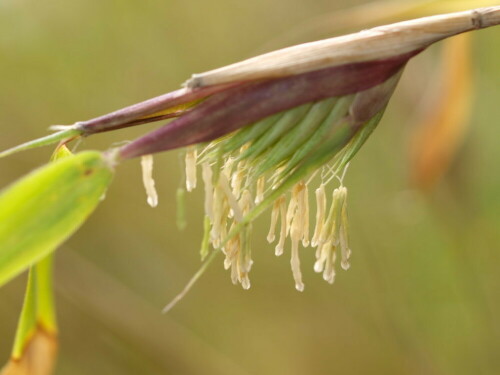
422 295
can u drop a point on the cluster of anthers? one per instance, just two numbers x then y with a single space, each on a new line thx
249 168
265 128
234 194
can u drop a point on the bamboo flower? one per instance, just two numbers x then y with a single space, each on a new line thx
264 129
286 116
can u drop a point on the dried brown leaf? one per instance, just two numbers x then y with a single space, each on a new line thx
438 137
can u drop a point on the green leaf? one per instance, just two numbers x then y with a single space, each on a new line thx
44 208
38 312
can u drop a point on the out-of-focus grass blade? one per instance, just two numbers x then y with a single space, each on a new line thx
43 209
440 133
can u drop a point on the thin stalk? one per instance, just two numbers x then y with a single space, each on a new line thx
192 281
62 135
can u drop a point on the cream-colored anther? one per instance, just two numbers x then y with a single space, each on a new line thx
296 233
259 193
295 264
245 202
325 233
304 208
231 199
281 243
329 272
147 179
220 212
245 282
345 252
292 206
339 203
191 156
320 214
237 179
206 173
274 220
321 256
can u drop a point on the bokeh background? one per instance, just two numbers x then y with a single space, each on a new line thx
422 295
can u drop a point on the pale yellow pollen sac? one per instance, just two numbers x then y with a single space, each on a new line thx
331 234
320 214
245 282
274 220
238 271
240 267
228 166
245 202
245 259
237 248
227 262
338 204
295 263
191 157
329 272
259 194
317 253
297 224
281 202
296 215
231 199
292 205
321 256
340 200
220 212
325 261
237 179
147 179
290 212
217 201
304 208
235 275
330 231
223 233
224 178
206 173
325 233
343 240
227 169
231 250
